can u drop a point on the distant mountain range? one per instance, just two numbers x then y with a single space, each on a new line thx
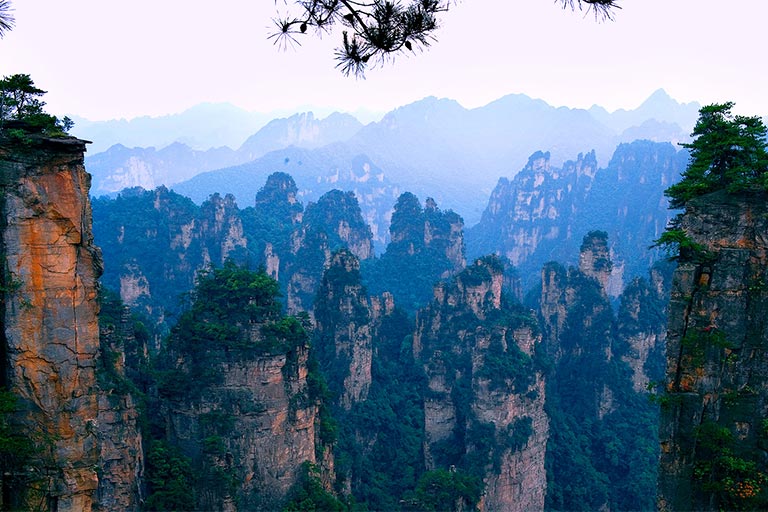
120 167
204 126
432 146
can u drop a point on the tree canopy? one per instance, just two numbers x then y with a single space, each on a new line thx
20 101
374 30
728 153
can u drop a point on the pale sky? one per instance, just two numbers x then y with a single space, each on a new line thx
104 59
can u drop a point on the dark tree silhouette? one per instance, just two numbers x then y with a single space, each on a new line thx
6 18
374 30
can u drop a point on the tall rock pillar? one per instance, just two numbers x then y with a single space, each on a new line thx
50 331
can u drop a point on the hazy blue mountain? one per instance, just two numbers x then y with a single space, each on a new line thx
656 131
302 130
203 126
121 167
481 143
432 147
659 106
437 147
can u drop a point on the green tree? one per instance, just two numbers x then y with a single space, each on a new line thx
20 100
374 30
728 153
169 475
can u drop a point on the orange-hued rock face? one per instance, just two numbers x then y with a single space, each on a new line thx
50 317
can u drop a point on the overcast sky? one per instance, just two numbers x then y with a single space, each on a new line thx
104 59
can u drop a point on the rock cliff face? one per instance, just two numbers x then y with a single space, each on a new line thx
541 213
221 229
713 429
537 204
484 407
122 353
427 244
50 332
334 222
344 329
236 399
595 384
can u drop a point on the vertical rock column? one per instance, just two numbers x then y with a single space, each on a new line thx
50 324
714 423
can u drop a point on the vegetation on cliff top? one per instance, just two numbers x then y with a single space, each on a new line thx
21 110
728 152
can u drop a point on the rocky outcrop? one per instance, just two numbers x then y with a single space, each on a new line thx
251 429
427 231
344 329
641 330
155 242
427 244
236 398
595 258
334 222
484 407
221 229
535 208
594 384
541 213
50 332
715 405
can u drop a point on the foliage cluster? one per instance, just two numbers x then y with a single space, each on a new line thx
170 479
235 312
309 495
440 490
679 246
379 29
17 448
728 153
21 110
735 480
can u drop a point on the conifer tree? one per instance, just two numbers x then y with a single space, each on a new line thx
374 30
728 152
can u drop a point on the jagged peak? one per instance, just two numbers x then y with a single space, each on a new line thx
279 187
659 96
538 161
